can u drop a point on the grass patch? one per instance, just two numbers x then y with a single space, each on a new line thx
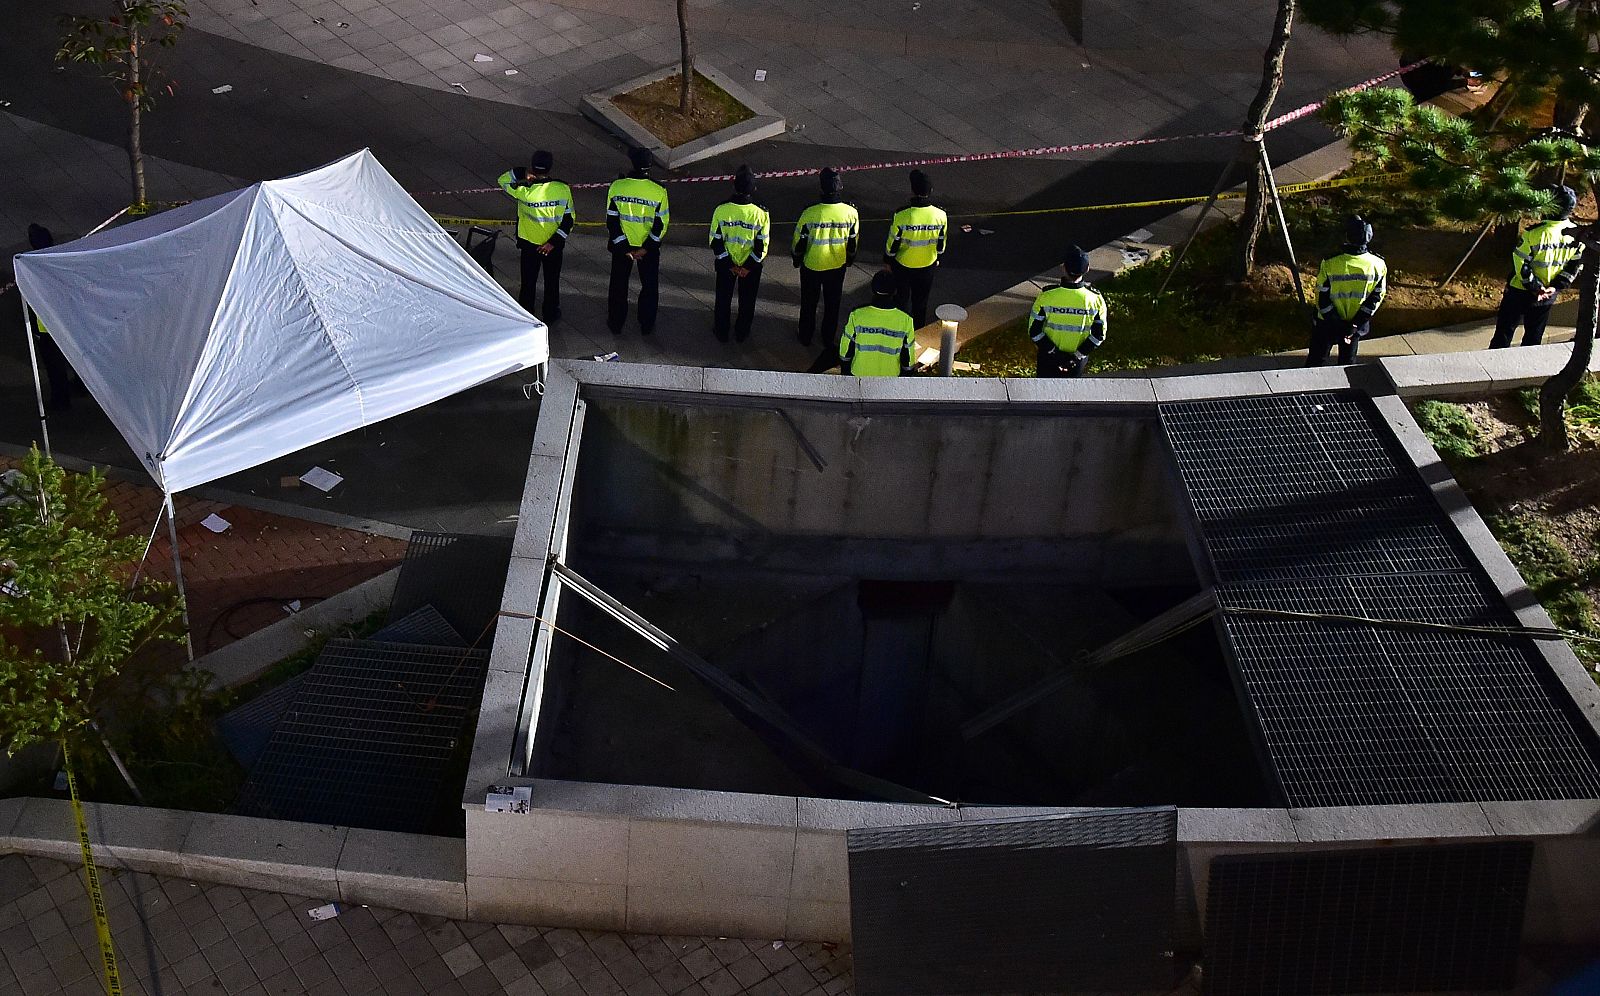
1448 427
1554 576
655 106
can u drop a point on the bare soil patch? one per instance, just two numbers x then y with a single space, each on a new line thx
655 105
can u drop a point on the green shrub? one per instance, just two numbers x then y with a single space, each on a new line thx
1554 576
1448 428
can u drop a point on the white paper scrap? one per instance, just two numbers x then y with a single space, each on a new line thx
463 89
480 57
11 589
608 357
928 357
761 75
224 88
327 912
508 799
216 523
322 480
1139 235
511 72
292 607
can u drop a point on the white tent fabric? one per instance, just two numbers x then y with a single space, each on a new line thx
224 333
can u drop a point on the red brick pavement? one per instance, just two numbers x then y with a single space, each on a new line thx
272 558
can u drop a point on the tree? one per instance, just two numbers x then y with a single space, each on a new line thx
686 68
1454 166
1255 203
70 620
125 45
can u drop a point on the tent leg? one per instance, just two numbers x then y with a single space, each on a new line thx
33 358
177 573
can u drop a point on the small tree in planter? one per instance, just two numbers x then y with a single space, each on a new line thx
125 45
71 612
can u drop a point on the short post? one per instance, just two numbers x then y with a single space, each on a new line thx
950 317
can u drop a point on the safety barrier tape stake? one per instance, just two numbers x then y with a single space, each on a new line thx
102 923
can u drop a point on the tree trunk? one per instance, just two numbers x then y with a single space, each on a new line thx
1553 395
1255 204
135 113
686 71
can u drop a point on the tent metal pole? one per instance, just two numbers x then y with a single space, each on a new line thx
33 359
177 573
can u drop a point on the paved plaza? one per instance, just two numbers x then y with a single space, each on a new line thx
178 938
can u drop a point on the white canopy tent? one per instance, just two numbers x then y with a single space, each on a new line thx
231 331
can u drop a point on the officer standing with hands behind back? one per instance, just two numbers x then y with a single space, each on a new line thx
825 240
1068 321
918 234
637 215
544 220
1350 289
1545 262
740 233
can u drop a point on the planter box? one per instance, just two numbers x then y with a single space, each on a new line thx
766 123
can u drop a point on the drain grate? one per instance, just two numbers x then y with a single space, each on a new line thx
461 576
1030 905
246 730
370 738
1389 920
1303 506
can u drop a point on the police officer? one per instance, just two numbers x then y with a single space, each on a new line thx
740 233
1068 322
63 382
825 240
1544 263
637 216
1350 289
544 220
918 234
879 339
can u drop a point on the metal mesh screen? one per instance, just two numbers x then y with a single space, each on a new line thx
461 576
1303 506
1398 919
246 730
424 626
370 738
1015 906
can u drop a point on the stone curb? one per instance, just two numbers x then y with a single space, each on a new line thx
765 124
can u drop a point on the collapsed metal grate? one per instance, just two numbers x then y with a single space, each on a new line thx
425 626
246 730
1028 905
1303 506
370 738
461 576
1398 919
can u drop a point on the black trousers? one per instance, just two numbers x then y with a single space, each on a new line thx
56 370
649 289
1057 364
1327 333
534 263
1520 307
912 285
748 287
827 286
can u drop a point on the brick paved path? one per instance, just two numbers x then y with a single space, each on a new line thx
175 937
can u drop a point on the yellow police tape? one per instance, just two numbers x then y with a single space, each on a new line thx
1283 188
102 924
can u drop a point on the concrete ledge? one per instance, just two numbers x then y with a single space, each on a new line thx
1437 374
773 384
765 122
1577 817
547 904
1109 390
131 837
672 911
404 871
1236 826
1208 386
271 855
10 813
496 735
844 814
954 390
1412 824
814 920
649 376
247 658
548 846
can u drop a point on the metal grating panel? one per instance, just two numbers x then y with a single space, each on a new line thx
1015 906
1398 919
246 729
422 626
1303 506
460 576
370 738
